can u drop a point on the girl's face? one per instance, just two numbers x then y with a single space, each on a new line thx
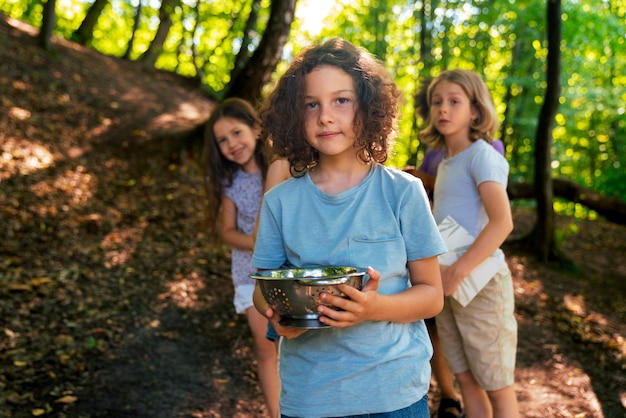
330 106
451 111
237 142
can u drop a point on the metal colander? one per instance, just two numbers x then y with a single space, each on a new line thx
295 293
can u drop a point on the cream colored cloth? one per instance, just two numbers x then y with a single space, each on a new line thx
458 240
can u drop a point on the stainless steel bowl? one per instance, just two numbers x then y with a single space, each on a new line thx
294 293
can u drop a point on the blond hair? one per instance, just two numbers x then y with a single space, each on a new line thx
484 126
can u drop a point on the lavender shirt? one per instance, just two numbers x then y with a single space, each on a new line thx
433 157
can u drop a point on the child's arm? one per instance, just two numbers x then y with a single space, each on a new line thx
423 300
266 310
277 172
228 227
499 226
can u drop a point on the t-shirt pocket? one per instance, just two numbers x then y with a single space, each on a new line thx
387 255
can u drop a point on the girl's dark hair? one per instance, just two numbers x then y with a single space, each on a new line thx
282 114
219 170
484 127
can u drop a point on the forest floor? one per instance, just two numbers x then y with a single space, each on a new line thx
113 302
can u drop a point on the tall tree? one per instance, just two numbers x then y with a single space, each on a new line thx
131 41
542 235
422 15
249 82
380 29
194 54
84 33
48 23
151 54
248 34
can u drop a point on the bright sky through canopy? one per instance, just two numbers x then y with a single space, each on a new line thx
311 14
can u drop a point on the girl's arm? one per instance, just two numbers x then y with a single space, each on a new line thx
277 172
228 227
424 299
499 226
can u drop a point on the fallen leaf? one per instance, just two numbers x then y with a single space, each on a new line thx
17 287
38 281
67 399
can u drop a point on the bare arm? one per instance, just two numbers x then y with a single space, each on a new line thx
228 227
423 300
277 172
498 227
266 310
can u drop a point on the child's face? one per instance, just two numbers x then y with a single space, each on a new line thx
330 106
451 111
237 141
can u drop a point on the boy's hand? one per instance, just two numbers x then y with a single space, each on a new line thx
283 331
353 310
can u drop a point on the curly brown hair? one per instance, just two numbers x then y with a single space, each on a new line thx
282 114
484 127
219 170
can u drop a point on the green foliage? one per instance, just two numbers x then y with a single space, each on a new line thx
504 41
562 234
26 10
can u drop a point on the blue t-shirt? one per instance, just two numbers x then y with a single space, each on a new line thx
382 222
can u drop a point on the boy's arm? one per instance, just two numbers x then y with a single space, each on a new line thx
424 299
266 310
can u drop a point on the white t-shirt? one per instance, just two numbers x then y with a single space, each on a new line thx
456 186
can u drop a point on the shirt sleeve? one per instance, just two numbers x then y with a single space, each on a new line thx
486 164
418 225
269 249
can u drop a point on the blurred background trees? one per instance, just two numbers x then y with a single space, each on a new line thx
238 47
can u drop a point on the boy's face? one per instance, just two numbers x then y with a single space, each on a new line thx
330 106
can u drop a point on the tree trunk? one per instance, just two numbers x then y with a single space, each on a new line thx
258 69
48 22
380 29
612 208
425 57
84 33
542 235
131 41
151 54
508 96
251 27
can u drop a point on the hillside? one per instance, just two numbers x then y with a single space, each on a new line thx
113 303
